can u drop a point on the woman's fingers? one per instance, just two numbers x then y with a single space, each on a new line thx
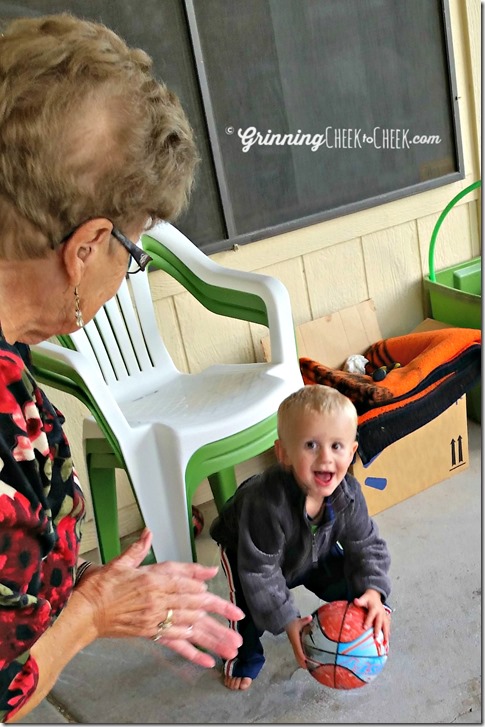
170 586
168 601
191 570
215 604
171 580
178 594
191 610
206 633
191 653
131 602
136 552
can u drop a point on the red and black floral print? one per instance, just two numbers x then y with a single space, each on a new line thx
41 509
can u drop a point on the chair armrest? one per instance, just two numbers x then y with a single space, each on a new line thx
71 372
232 293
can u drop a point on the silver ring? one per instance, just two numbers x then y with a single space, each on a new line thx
164 625
190 629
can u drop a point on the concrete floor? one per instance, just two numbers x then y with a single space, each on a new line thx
433 674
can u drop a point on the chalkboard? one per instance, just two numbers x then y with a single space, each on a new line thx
342 94
363 74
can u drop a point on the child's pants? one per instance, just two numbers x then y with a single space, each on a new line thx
327 582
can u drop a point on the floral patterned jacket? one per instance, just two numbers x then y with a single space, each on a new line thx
41 509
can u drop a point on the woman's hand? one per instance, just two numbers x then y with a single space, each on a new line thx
128 600
377 614
293 630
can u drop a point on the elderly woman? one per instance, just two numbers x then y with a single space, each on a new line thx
92 151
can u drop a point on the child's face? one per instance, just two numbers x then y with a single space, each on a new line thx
319 449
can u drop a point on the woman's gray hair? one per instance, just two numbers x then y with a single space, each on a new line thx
86 131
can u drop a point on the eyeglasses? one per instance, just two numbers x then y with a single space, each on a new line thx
136 253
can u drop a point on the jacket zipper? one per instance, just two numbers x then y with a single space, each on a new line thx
314 550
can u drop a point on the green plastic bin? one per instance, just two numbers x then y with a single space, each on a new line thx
455 295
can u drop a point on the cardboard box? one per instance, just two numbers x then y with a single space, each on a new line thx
428 455
421 459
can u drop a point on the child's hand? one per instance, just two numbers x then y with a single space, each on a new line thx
377 614
293 629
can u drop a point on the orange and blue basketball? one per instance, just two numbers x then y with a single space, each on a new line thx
340 653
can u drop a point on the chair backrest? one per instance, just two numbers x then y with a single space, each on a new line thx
123 341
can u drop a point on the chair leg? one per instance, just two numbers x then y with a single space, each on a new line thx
223 485
105 505
191 533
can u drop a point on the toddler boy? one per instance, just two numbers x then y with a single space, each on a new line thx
303 521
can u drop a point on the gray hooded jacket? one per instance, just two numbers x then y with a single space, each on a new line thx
265 525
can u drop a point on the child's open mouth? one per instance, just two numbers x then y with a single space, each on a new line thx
323 478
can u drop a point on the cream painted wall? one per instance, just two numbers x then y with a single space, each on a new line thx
380 253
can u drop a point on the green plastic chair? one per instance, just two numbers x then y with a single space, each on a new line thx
169 430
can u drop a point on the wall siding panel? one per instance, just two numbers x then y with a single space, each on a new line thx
336 278
455 242
395 278
167 321
291 274
474 213
209 338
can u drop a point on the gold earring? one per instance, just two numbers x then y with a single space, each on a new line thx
77 309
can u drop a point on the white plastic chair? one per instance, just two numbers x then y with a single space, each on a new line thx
169 429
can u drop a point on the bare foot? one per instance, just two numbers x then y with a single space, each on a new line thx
237 682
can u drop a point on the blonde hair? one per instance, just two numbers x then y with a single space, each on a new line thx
314 398
86 131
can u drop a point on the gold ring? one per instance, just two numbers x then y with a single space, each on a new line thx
163 625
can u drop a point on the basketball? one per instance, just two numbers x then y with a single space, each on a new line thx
340 653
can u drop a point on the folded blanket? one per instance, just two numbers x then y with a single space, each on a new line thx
359 388
436 368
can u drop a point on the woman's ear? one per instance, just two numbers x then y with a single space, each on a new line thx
83 247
